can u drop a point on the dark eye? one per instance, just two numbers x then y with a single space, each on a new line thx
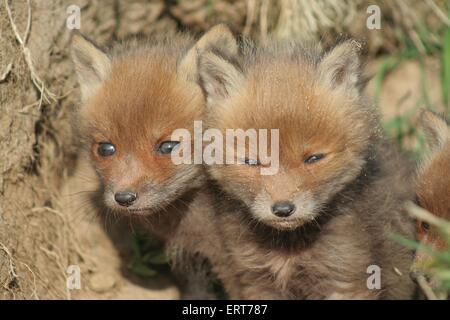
167 147
425 226
314 158
106 149
251 162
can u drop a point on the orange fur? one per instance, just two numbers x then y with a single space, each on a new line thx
136 108
433 181
345 203
134 97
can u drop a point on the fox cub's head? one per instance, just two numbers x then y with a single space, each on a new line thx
133 99
313 99
433 181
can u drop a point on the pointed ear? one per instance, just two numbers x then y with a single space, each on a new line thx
436 129
91 64
219 37
341 67
219 77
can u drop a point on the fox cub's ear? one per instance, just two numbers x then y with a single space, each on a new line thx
92 65
219 37
219 76
341 66
436 128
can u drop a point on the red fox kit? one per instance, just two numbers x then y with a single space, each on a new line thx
134 97
318 227
433 181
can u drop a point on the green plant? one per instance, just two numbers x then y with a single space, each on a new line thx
445 76
148 258
434 274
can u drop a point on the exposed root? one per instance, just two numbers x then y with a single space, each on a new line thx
13 276
5 73
45 95
53 255
12 268
34 293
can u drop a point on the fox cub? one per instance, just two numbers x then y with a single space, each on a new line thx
133 98
320 226
433 180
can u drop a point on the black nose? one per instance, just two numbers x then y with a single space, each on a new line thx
125 198
283 208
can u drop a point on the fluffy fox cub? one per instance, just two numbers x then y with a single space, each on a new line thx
319 227
433 181
134 97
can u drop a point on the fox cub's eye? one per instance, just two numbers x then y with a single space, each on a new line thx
167 147
106 149
425 226
251 162
314 158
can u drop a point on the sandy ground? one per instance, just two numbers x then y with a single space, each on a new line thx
104 274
